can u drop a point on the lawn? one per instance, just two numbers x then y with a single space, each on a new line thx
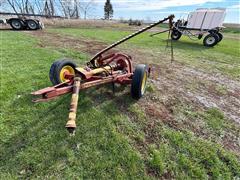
115 138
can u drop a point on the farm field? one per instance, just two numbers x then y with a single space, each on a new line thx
186 126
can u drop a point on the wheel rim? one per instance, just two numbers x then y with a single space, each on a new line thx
175 35
144 82
210 40
16 24
66 70
32 25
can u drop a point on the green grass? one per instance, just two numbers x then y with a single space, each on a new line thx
191 157
112 138
34 141
232 30
223 58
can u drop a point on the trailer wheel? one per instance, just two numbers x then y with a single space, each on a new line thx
139 81
220 36
16 24
176 35
210 40
32 24
59 68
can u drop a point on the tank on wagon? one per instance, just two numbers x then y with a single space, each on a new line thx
206 23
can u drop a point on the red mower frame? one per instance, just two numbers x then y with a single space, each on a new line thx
91 77
101 69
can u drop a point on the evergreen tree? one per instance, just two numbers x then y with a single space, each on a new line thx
108 10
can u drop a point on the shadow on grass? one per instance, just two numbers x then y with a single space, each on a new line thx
10 29
29 133
190 45
183 44
7 29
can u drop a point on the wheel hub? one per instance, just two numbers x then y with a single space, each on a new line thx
210 40
32 25
66 70
16 24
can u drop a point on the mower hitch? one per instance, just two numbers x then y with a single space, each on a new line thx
51 93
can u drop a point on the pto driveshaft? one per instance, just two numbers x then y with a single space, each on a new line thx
71 124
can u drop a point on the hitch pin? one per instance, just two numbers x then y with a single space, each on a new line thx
71 124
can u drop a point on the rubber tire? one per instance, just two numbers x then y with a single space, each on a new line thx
220 37
137 81
32 21
205 43
56 67
18 20
177 34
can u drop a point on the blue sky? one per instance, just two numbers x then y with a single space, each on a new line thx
157 9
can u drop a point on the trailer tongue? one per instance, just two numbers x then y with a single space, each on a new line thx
101 69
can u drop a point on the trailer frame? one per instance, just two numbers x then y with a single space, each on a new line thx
21 22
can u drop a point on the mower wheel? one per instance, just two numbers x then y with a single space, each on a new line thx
32 24
210 40
58 70
176 35
139 81
220 36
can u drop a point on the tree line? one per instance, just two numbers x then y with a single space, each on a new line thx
66 8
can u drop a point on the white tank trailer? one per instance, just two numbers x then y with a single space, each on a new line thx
202 22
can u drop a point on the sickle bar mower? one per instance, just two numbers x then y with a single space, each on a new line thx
101 69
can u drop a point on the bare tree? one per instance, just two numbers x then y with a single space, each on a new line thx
49 9
28 7
38 6
76 8
13 5
67 8
63 7
87 8
70 8
21 6
2 2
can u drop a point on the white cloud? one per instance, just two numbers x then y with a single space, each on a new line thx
157 5
143 5
236 6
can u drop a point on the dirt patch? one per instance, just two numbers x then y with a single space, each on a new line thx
178 84
199 88
84 45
